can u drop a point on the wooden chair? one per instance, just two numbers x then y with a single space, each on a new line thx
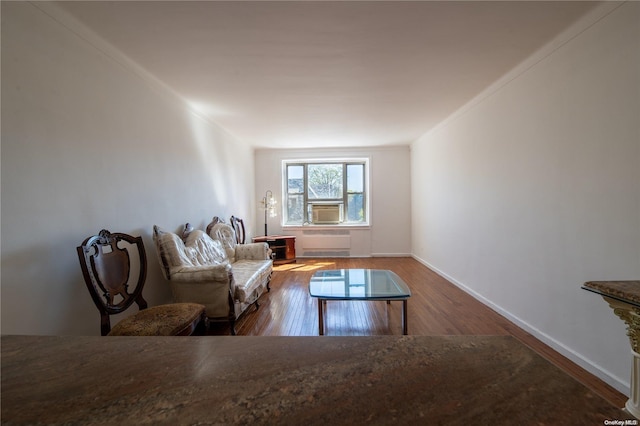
106 265
238 227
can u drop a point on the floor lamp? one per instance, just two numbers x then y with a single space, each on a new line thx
269 205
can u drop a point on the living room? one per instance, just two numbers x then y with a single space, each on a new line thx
521 195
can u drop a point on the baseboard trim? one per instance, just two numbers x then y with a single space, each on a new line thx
390 255
351 256
358 256
603 374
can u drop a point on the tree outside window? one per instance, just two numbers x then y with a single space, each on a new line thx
325 181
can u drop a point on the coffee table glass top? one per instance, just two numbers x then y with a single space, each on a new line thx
358 284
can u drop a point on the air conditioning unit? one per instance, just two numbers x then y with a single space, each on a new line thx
326 213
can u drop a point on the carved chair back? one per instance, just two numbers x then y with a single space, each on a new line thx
238 227
214 222
106 267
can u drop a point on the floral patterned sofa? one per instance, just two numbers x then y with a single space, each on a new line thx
211 269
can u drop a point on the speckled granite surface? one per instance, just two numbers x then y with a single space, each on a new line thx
288 380
627 291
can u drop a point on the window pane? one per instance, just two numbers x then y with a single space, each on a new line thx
355 178
295 206
295 179
325 181
355 208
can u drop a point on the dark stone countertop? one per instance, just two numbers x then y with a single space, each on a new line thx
288 380
625 291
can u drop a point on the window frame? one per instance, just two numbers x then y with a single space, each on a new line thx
307 202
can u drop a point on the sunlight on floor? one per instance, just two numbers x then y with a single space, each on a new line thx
302 266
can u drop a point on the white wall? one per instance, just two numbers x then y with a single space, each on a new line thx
89 143
534 188
389 233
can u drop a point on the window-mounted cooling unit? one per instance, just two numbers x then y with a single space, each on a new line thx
326 213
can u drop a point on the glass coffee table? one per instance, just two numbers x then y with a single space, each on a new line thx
358 284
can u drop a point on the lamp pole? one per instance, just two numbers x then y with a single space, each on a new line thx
268 204
265 216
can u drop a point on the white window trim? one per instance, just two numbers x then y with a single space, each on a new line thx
283 207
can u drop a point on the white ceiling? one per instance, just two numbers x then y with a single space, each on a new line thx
328 73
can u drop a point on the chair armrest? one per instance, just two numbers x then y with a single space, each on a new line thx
202 274
253 251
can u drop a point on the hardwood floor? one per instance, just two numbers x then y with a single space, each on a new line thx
436 307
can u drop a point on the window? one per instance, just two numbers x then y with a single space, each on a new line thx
325 192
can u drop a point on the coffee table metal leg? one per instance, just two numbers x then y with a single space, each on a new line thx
404 317
320 319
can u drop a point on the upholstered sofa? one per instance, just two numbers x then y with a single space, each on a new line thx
211 269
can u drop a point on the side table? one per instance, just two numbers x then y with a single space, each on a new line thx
282 246
624 298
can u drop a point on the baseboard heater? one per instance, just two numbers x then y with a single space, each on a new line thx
323 242
326 245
